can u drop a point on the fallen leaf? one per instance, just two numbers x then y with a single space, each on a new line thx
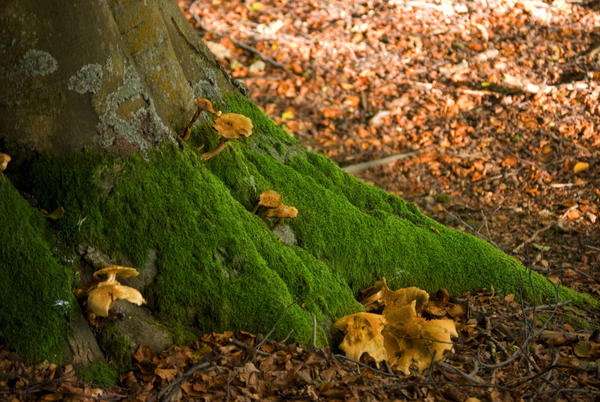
580 167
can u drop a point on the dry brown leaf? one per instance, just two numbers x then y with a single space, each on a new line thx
580 167
166 374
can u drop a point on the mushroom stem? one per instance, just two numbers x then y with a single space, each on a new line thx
276 225
255 209
185 134
207 155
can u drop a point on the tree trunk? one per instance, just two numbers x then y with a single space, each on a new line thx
95 95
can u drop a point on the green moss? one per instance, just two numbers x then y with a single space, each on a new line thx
34 288
221 268
99 374
117 348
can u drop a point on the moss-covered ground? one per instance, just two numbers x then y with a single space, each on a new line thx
220 266
35 289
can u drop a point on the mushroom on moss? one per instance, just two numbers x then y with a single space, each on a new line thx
281 212
102 296
202 105
229 126
4 159
269 199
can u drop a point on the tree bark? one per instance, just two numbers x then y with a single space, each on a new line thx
95 94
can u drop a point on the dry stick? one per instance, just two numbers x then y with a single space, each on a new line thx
383 161
532 238
431 364
235 42
257 347
549 373
246 347
314 339
525 343
466 376
366 366
287 336
173 385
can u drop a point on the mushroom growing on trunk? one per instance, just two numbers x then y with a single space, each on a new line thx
4 159
102 296
269 199
229 126
203 105
281 212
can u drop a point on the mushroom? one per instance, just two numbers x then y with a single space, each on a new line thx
229 126
102 296
203 105
281 212
269 199
4 159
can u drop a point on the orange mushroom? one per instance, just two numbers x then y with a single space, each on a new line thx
269 199
281 212
102 296
229 126
203 105
4 159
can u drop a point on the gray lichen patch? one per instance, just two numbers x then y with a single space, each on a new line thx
139 127
38 62
87 79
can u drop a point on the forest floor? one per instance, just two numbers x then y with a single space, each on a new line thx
486 114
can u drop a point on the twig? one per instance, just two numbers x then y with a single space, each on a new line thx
246 347
525 343
377 162
547 306
366 366
314 339
461 373
287 336
532 238
173 385
257 347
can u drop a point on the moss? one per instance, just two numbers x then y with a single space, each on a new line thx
99 374
117 348
221 268
35 290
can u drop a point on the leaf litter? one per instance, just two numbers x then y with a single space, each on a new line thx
484 113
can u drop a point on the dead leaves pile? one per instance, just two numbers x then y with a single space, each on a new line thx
561 362
400 336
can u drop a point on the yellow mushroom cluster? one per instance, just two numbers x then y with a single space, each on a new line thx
270 205
400 335
102 295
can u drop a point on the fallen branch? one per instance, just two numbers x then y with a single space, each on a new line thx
174 385
377 162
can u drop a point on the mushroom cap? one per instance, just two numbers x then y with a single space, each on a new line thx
101 298
4 159
282 211
271 199
115 271
233 125
205 104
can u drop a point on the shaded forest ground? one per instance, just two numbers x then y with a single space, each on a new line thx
490 112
